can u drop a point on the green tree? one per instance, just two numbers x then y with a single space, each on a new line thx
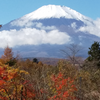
35 60
94 52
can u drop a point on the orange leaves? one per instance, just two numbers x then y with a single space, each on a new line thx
6 74
64 87
12 85
12 75
8 54
1 71
2 82
30 93
10 82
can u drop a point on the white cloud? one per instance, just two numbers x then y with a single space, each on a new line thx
29 24
32 36
21 23
92 28
41 26
73 25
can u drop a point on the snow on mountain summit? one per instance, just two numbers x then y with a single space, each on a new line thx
50 11
54 11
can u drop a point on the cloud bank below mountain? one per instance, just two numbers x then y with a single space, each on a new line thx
41 34
33 36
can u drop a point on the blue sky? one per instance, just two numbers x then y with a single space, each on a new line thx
13 9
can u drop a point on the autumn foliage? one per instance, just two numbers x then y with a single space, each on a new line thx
8 54
12 85
15 87
28 80
64 88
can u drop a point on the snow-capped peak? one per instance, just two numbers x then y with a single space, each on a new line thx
53 11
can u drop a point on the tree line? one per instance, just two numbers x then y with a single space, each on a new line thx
33 80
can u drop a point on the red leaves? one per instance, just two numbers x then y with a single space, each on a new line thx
10 81
30 93
64 87
3 74
2 82
5 77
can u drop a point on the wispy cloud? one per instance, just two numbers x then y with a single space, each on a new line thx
93 28
73 25
29 24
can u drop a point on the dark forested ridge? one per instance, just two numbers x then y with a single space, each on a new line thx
49 61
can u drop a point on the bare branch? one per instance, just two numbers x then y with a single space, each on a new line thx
71 52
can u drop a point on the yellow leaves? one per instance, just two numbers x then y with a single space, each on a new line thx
11 81
1 63
2 90
17 70
15 73
22 71
54 90
10 71
84 74
20 87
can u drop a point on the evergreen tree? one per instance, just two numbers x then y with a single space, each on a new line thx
94 52
35 60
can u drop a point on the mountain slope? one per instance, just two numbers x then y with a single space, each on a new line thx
52 11
48 12
46 31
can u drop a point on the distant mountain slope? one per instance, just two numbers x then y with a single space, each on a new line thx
44 32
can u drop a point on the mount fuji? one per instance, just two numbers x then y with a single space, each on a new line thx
44 32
